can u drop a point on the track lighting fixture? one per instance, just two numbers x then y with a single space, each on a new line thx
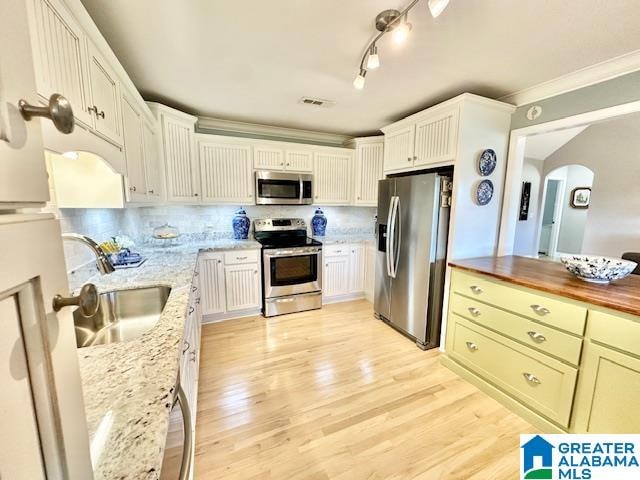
397 23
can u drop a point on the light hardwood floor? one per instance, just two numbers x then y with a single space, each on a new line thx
337 394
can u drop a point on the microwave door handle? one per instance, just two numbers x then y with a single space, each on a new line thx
388 239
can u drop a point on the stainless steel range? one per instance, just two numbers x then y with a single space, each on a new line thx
291 266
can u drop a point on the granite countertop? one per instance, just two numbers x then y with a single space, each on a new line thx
128 386
349 238
552 277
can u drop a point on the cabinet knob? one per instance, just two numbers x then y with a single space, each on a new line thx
537 337
195 194
93 110
151 192
472 346
132 189
474 311
59 111
532 379
415 158
475 289
101 114
540 310
87 301
409 159
255 272
219 261
288 164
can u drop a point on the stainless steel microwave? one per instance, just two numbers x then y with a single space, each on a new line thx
283 188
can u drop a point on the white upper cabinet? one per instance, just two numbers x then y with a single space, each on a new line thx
268 158
59 49
23 176
282 156
133 142
181 160
332 176
105 97
436 137
398 148
298 160
226 172
153 165
368 170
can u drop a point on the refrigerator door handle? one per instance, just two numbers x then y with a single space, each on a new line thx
391 237
397 224
388 239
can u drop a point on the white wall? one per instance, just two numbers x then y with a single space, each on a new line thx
527 230
612 151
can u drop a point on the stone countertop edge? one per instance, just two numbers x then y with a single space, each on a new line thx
345 239
128 387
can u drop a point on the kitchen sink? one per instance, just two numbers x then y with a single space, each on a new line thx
123 315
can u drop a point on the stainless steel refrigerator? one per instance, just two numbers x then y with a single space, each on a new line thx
412 227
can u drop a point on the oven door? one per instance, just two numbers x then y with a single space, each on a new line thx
292 271
277 188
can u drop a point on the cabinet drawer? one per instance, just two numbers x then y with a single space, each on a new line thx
336 250
541 307
539 382
554 342
617 331
236 257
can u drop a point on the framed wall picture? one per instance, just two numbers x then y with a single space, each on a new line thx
580 197
525 199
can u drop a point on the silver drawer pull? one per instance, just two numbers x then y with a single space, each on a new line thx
186 347
537 337
540 310
475 289
241 258
532 379
472 346
474 311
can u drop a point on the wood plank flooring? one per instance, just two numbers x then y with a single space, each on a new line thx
337 394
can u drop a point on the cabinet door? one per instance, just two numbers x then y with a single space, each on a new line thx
180 160
437 138
371 253
336 276
243 286
356 268
268 158
42 398
105 97
226 173
298 160
369 160
398 149
608 393
59 53
212 298
152 162
332 178
134 153
23 177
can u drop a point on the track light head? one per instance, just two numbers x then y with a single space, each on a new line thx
373 60
436 7
358 83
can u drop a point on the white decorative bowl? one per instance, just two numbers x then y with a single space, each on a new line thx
596 269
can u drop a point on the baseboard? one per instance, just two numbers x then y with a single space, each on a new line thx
516 407
343 298
221 317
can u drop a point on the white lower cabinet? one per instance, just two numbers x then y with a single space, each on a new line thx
242 285
344 272
231 284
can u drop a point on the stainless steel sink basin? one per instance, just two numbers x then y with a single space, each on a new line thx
123 315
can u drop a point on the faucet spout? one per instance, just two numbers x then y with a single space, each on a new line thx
102 259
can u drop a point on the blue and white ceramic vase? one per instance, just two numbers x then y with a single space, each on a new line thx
319 223
241 224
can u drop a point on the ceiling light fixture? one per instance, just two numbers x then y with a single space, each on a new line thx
373 60
394 21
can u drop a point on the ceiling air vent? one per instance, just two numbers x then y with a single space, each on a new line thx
316 102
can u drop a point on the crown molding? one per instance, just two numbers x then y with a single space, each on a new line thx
599 72
233 128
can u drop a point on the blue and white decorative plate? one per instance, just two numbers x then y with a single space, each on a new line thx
484 192
487 162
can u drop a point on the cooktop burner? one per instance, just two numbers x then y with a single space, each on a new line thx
283 233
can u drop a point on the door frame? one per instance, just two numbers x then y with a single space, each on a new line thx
557 215
513 177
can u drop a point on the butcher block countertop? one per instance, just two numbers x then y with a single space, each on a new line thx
551 277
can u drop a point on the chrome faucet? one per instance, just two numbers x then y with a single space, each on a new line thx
102 259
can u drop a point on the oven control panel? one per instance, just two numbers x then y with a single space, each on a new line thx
271 224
